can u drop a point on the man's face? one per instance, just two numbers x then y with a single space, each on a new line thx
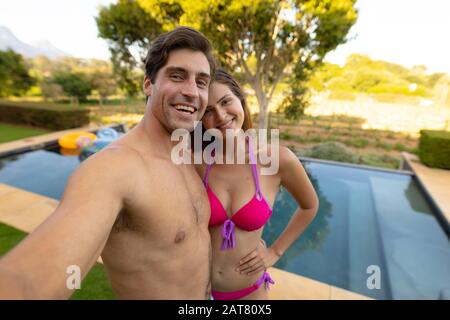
179 94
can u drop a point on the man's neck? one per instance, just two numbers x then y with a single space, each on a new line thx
156 134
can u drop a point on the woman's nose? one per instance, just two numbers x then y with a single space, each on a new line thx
220 114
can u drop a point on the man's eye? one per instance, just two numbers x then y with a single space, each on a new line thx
202 83
176 77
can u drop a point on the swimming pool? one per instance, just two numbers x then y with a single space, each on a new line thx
366 218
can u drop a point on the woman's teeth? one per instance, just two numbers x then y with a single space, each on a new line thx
184 108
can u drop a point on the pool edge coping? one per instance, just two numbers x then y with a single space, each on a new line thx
443 218
42 141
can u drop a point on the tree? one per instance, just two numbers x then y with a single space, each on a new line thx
14 74
361 74
261 41
102 79
128 28
74 85
51 90
265 40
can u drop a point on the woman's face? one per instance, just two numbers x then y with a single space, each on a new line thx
224 110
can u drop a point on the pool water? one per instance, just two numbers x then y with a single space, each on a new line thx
366 218
43 171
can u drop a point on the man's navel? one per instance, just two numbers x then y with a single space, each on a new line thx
180 236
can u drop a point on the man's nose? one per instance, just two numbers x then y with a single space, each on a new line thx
190 89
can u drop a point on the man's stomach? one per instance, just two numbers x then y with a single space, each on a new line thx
143 271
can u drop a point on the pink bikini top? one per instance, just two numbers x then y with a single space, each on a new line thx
252 216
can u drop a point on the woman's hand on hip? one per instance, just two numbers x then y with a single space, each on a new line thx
257 260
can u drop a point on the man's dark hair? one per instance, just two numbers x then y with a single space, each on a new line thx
178 38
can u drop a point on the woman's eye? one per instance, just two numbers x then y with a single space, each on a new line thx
225 102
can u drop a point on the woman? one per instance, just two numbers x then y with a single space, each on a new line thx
241 201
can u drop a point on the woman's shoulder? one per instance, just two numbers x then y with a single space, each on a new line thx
282 152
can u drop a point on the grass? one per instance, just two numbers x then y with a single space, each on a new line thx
9 132
95 286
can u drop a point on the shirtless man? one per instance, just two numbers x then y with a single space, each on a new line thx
129 203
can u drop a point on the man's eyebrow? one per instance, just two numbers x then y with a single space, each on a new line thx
180 69
175 69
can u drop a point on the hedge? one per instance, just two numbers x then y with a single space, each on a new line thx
54 117
434 148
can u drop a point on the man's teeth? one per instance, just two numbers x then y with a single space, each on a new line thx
185 108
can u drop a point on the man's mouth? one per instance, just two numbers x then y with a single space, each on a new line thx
185 108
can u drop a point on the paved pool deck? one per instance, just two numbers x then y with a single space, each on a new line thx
26 210
435 181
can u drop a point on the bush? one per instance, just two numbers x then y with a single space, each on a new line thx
357 142
380 160
434 148
335 151
52 117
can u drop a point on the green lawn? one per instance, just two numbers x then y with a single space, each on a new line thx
9 132
94 287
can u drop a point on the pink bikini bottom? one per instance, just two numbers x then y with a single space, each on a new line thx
235 295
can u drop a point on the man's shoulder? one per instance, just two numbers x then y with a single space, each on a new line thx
116 160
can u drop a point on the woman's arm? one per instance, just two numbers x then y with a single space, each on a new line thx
296 181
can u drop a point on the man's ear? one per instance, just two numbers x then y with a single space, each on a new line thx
147 86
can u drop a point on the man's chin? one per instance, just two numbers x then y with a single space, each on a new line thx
183 125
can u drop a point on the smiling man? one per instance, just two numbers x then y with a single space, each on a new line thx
146 217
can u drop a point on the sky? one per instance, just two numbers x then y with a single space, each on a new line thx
68 24
409 32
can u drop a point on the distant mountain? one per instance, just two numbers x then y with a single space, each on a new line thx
9 40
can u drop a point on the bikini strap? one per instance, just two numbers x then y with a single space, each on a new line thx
205 178
208 169
266 279
254 168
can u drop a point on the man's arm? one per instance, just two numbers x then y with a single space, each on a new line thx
74 234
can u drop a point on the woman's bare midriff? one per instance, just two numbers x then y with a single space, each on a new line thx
225 278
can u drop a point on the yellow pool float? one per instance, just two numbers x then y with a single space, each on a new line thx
69 140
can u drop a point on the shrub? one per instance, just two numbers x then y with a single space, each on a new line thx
383 145
285 136
378 160
52 117
357 142
434 148
335 151
400 147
